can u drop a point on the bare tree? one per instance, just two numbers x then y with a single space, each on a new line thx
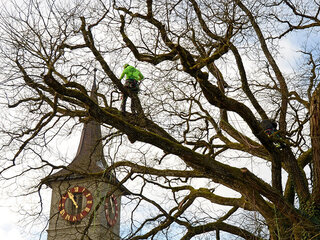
213 74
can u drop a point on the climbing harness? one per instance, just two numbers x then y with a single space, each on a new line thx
132 84
270 129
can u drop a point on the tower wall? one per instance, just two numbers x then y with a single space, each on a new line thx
60 228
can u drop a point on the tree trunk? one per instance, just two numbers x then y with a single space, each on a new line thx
315 140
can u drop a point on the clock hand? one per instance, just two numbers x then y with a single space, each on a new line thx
112 208
70 195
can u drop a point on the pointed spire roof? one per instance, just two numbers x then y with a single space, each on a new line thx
89 157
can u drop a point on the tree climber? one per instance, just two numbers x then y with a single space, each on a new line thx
270 128
133 78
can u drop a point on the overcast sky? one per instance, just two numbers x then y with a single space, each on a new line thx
8 225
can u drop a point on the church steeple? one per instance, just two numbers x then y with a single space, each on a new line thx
78 196
89 157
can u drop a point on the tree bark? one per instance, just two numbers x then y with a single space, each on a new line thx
315 140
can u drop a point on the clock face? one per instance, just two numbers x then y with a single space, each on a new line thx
112 210
75 204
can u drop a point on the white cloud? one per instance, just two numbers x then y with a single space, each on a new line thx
289 54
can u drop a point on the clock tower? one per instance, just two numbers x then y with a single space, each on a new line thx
85 202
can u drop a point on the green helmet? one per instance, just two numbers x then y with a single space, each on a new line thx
125 65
